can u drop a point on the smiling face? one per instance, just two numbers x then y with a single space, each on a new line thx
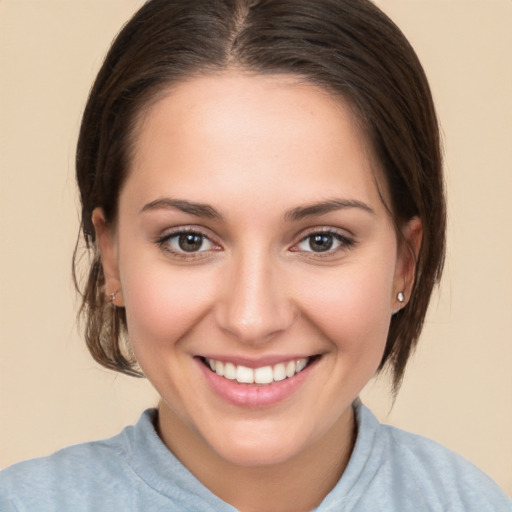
251 239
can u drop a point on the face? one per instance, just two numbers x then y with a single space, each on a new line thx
257 263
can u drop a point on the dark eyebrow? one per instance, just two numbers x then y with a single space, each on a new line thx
197 209
301 212
324 207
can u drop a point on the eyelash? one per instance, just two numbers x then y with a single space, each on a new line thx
163 243
345 243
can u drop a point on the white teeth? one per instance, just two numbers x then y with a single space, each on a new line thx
230 371
301 364
244 375
262 375
279 372
290 369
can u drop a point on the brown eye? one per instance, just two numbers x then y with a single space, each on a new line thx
190 242
186 243
321 242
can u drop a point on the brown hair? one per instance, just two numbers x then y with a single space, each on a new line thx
348 47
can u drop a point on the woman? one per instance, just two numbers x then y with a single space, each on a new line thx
262 193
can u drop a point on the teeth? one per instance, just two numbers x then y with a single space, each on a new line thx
230 371
279 372
244 375
290 369
301 364
219 368
262 375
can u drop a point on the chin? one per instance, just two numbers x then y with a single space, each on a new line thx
258 454
253 445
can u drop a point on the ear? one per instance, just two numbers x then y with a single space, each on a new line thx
107 245
409 246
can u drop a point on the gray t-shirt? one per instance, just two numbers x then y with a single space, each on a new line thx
389 470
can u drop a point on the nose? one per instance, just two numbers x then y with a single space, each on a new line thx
255 306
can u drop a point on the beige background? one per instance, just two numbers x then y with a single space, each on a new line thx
459 386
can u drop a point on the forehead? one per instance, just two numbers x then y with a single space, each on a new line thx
236 133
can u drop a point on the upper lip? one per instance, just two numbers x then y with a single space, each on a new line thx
259 362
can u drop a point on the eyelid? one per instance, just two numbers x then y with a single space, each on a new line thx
163 239
347 241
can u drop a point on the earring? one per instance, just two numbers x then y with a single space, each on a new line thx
113 296
400 297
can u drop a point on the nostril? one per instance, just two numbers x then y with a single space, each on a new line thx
255 324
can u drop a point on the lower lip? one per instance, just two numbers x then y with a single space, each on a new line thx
255 395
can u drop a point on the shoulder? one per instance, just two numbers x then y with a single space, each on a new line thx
70 478
131 471
87 458
434 476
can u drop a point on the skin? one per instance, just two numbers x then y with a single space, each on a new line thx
255 149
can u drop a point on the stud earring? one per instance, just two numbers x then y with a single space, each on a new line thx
113 296
400 297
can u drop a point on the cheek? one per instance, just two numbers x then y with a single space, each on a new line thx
352 309
162 303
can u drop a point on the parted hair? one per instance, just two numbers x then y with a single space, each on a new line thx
348 47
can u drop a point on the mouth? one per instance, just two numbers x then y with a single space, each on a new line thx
263 375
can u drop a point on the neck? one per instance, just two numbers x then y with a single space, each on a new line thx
298 484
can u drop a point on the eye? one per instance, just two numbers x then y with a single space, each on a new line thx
323 242
185 243
190 242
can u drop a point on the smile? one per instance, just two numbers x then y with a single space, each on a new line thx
262 375
253 386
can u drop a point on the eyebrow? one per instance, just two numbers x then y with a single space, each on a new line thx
324 207
295 214
197 209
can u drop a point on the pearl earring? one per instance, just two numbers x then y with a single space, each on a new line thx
113 296
400 297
